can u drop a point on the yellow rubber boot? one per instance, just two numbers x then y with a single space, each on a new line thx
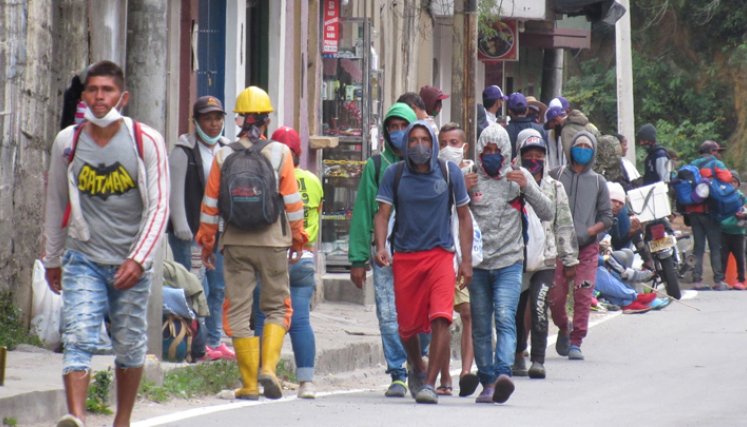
272 343
247 357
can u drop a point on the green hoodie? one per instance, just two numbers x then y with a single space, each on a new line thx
365 207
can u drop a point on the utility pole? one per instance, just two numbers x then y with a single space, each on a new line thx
469 106
624 69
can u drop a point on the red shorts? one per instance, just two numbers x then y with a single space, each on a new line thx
423 289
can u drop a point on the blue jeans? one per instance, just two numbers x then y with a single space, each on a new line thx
302 285
386 311
213 284
88 295
494 293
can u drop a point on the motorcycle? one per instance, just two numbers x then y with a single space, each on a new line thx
662 244
651 205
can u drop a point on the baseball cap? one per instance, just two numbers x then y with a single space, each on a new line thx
493 92
553 112
207 104
709 147
530 138
517 102
431 95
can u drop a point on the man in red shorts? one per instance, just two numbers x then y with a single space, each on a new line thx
421 190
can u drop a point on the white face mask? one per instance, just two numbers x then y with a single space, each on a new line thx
112 116
453 154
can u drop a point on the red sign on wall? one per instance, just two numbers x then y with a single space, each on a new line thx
331 28
503 46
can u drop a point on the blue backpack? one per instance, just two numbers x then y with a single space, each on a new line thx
725 199
684 184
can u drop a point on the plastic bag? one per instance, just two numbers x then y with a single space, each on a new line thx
46 309
476 240
536 244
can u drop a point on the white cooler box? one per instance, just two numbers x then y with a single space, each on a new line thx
657 206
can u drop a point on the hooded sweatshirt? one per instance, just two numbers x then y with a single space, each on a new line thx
361 224
421 201
496 205
576 122
587 194
560 237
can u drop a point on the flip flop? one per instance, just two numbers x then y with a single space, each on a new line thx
468 384
444 390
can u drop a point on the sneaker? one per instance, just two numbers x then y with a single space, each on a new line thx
212 354
610 307
563 342
537 371
721 286
636 307
307 390
486 396
503 389
739 286
520 365
468 384
426 394
397 388
415 381
574 352
226 352
700 286
70 421
646 298
642 276
660 303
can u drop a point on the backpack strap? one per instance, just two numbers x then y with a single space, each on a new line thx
377 167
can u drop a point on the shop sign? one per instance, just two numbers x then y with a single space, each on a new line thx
501 46
331 29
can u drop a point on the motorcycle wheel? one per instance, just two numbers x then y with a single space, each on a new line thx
669 275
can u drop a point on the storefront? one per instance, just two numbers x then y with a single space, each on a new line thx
350 100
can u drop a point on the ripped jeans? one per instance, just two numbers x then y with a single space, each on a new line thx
88 294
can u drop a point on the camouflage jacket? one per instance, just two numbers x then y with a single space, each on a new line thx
560 235
608 160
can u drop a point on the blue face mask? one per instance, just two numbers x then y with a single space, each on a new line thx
492 163
420 154
582 155
397 139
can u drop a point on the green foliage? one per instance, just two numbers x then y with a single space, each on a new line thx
10 421
97 401
486 19
202 379
594 91
684 137
190 381
12 331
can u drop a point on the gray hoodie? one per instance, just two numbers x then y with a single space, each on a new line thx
587 194
496 205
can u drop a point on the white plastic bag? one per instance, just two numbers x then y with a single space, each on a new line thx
46 309
536 243
476 239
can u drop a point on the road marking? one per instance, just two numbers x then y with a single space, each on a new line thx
196 412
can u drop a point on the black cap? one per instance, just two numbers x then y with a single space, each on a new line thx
709 146
207 104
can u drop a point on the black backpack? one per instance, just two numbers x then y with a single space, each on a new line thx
249 197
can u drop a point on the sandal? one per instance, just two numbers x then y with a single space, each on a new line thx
444 390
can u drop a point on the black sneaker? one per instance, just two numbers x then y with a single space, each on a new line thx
537 371
520 366
563 343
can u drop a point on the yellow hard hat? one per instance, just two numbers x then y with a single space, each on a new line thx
253 100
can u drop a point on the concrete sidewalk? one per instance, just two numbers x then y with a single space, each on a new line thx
347 339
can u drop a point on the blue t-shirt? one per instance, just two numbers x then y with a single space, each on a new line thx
423 219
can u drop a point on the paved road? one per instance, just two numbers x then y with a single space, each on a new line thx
676 367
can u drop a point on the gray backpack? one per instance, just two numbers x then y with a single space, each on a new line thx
249 197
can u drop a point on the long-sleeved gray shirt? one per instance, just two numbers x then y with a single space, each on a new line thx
496 205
